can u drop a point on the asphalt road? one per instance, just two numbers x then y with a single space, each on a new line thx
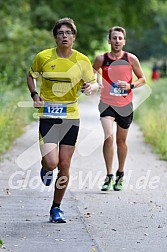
132 220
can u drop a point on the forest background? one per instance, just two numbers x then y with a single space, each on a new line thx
26 28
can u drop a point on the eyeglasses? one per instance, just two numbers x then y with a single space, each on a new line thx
62 33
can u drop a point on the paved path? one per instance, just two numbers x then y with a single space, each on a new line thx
131 220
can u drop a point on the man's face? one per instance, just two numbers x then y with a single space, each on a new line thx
117 41
64 37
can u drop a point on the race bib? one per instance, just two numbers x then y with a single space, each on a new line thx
115 90
55 110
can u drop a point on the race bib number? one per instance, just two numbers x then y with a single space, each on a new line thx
115 90
55 110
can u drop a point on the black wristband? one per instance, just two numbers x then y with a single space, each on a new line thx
33 93
132 86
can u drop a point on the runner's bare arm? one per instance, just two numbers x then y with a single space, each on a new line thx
89 89
141 79
97 69
31 83
97 63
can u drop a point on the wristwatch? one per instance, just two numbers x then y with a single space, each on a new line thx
33 93
132 86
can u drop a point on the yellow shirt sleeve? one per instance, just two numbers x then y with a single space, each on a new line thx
36 67
87 70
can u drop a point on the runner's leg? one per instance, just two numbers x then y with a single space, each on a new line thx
65 155
49 152
121 136
108 151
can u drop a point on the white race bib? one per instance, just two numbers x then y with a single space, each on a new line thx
116 91
55 110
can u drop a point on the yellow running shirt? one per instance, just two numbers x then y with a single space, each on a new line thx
61 79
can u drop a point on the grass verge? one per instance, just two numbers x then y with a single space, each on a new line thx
152 118
13 119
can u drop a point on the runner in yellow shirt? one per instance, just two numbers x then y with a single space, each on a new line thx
63 73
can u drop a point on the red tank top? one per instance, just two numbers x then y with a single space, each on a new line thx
110 94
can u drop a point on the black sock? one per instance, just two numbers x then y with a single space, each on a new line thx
119 174
54 205
110 175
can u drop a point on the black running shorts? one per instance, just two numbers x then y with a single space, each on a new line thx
62 131
123 115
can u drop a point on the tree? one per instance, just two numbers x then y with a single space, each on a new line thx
26 28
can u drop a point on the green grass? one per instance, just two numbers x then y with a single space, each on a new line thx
152 116
13 119
1 243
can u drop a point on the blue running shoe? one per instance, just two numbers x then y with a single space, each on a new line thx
46 176
57 215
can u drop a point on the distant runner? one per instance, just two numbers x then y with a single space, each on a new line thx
116 101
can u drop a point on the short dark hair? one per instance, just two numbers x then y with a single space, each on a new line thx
64 21
116 28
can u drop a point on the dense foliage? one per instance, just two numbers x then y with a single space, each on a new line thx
26 28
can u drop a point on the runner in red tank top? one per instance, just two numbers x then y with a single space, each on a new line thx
116 98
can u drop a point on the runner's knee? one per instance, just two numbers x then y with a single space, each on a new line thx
50 165
121 142
64 165
109 139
